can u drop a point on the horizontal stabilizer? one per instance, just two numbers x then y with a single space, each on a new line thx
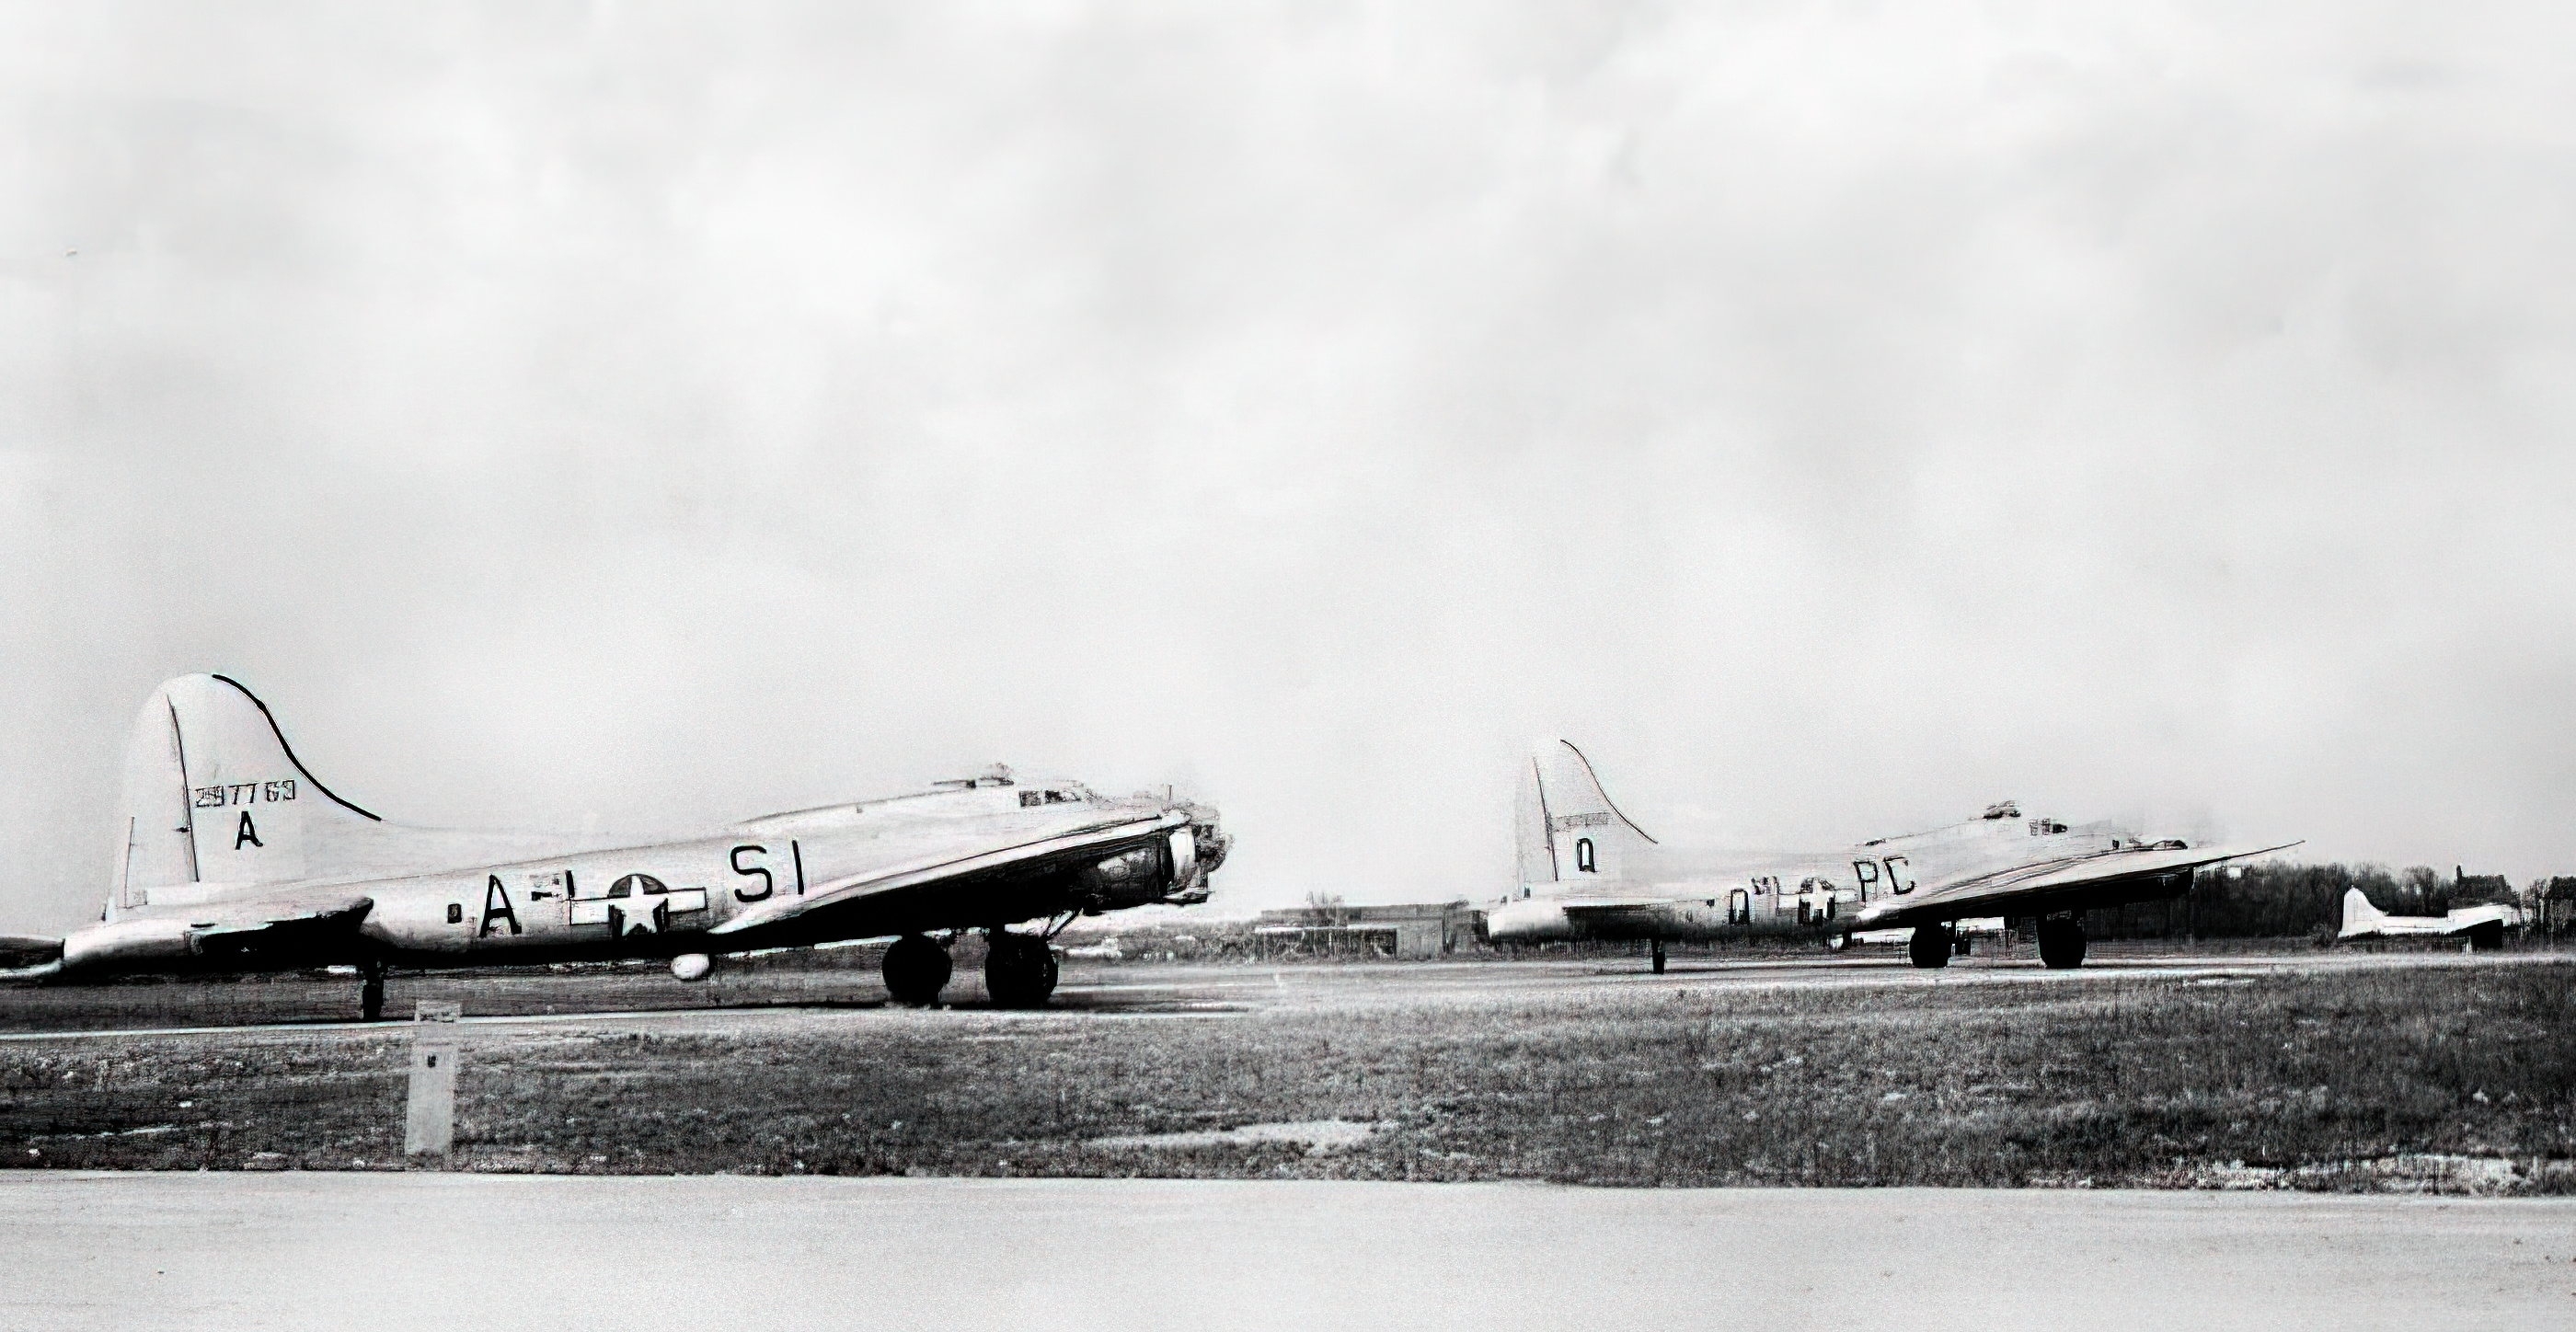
1605 912
318 932
293 928
28 950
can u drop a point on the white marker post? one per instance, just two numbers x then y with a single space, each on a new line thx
430 1123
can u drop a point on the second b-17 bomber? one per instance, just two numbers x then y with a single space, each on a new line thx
1587 872
229 856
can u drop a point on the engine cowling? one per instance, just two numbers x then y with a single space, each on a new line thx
1131 878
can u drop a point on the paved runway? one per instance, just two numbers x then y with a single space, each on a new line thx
1168 990
390 1252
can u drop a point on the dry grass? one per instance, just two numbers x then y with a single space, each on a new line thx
2119 1081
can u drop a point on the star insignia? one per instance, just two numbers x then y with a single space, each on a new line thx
639 916
630 913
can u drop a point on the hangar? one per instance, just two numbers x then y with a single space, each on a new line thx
1409 930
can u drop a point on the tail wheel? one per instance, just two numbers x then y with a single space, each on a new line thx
1930 946
916 970
2061 944
1019 970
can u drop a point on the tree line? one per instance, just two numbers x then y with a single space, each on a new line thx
2274 900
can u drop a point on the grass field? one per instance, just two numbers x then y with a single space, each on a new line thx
2325 1079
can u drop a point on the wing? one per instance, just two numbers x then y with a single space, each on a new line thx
2074 883
916 885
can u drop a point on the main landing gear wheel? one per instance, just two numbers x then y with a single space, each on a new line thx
2061 944
371 992
1019 969
916 970
1930 946
1659 957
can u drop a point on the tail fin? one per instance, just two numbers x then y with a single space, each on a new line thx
2358 912
1567 829
214 795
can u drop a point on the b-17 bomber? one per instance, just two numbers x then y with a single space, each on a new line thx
1588 872
230 856
2481 925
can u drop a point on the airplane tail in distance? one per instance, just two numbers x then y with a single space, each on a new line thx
2358 912
1566 829
214 795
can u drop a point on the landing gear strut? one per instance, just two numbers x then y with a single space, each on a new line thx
915 970
371 991
1659 957
2061 943
1930 947
1019 969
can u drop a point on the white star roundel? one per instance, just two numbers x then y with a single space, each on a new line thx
638 904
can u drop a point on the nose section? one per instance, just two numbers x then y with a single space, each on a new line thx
1197 850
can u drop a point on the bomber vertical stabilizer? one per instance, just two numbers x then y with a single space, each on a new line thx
214 796
1568 831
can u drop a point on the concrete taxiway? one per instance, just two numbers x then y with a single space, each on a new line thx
647 998
389 1252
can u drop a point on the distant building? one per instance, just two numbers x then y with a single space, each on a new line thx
1412 930
2557 906
2467 888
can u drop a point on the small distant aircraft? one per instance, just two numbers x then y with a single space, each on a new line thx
230 856
1588 872
2484 925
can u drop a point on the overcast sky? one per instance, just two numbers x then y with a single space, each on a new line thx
1834 418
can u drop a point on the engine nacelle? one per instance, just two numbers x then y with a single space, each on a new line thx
1130 878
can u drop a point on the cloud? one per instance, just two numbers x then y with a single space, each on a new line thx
1836 420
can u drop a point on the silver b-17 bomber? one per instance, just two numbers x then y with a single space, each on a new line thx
1587 872
230 856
